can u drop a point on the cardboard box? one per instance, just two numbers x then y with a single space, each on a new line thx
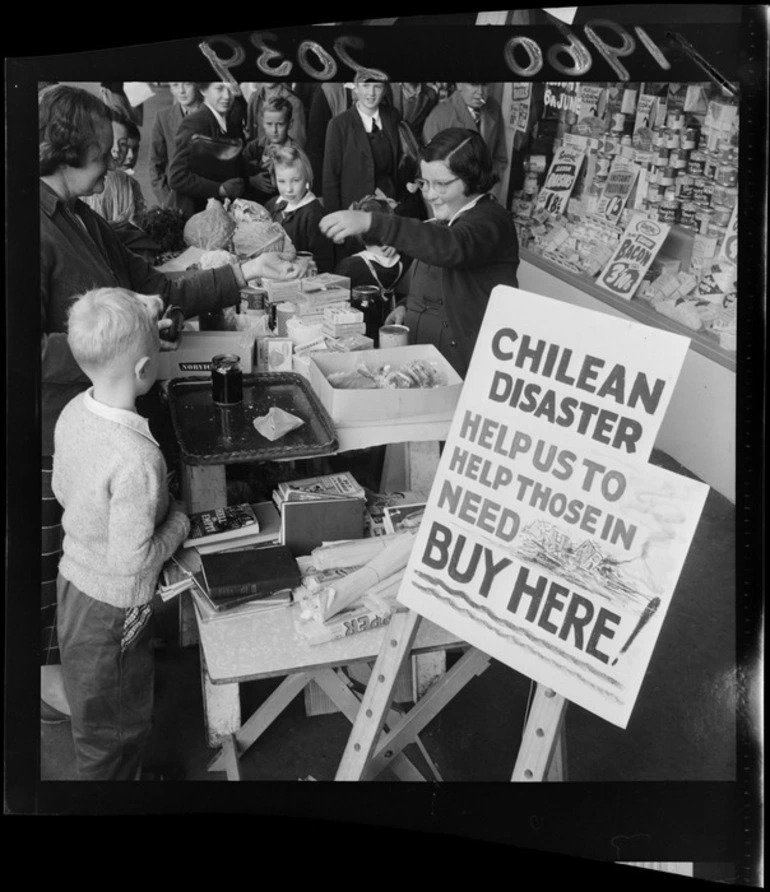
197 349
274 354
361 407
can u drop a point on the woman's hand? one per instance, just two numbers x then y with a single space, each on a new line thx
342 224
271 266
396 317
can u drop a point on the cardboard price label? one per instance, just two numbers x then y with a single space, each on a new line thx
617 189
560 181
634 255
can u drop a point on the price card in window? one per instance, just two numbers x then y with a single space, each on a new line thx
637 249
618 187
560 181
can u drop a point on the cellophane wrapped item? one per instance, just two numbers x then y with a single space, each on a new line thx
210 229
417 373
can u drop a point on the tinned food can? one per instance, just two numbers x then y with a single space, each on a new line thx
689 138
669 211
659 139
720 215
673 139
687 214
710 165
695 164
726 175
684 185
702 219
678 159
730 197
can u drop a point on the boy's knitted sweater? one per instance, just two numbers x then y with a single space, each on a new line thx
109 475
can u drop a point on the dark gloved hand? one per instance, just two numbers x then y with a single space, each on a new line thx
232 188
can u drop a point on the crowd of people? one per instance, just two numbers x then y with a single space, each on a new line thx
390 184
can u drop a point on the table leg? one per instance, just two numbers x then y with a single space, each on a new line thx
221 709
188 625
203 487
264 716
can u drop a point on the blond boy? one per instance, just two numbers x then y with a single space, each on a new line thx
120 525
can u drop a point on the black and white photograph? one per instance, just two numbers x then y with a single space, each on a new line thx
474 362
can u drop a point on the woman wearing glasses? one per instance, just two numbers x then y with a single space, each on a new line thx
460 254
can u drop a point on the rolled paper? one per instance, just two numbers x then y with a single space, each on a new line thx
388 562
277 423
352 554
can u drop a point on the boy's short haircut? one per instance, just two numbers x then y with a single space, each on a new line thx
278 104
293 156
106 323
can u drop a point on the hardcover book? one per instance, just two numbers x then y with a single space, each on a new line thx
221 524
307 524
239 576
208 613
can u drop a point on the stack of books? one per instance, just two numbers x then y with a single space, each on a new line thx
233 527
321 509
225 585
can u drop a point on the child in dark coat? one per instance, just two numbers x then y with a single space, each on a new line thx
296 208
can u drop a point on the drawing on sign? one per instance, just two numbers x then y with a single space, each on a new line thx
617 189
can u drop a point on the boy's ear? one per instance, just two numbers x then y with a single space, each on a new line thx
140 369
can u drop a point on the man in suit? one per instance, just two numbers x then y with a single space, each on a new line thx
472 107
186 101
414 102
193 190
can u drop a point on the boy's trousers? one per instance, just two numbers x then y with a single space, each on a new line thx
108 669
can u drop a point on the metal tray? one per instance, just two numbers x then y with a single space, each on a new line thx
214 435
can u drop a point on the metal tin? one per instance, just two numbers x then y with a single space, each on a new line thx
673 139
669 193
666 177
710 165
700 191
690 138
530 184
687 214
678 159
659 139
726 175
669 211
730 197
721 214
652 209
675 120
654 192
684 186
695 164
718 194
702 219
662 158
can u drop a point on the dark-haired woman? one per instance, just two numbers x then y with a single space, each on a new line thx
460 254
80 251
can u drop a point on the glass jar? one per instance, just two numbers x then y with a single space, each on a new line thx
226 379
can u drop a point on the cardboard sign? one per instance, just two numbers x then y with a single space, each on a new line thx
548 542
560 180
634 255
617 189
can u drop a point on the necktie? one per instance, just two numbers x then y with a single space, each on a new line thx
375 128
476 115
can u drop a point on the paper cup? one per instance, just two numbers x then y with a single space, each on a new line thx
394 336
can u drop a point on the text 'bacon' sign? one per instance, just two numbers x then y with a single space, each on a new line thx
548 541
